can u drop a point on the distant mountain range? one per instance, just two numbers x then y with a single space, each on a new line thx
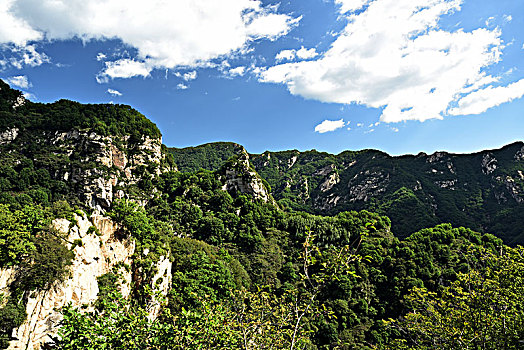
483 190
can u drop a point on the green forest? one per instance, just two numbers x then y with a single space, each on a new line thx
248 274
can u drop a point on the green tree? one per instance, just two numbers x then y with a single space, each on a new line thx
482 309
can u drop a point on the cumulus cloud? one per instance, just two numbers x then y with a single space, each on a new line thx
237 71
285 55
26 56
100 56
124 68
329 125
19 81
481 100
15 29
165 34
114 92
182 86
351 5
291 54
393 55
188 76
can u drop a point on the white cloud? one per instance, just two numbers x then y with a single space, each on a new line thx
481 100
101 56
14 29
114 92
394 129
237 71
188 76
360 125
329 125
182 86
165 34
291 54
123 68
19 81
393 55
27 56
508 18
304 53
286 55
351 5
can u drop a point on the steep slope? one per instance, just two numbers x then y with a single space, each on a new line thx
209 156
484 191
480 190
93 214
85 154
62 166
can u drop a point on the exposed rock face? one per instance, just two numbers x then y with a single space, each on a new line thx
8 136
161 283
104 163
330 181
489 164
436 157
97 256
20 101
325 170
364 186
449 184
243 179
512 187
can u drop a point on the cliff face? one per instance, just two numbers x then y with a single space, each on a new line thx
478 190
239 177
99 254
96 169
484 191
86 156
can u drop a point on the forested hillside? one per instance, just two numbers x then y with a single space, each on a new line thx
104 244
483 191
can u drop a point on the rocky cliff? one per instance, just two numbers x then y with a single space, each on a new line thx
238 176
101 251
81 157
484 190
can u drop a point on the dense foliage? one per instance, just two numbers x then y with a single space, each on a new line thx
103 119
482 191
247 246
208 157
39 254
253 275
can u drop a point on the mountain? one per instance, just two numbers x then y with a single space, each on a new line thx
106 243
484 190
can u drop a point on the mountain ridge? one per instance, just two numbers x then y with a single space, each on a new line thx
430 189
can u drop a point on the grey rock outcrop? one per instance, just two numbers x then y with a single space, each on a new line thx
98 255
489 163
242 178
102 163
8 136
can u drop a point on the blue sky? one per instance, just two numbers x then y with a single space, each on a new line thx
402 76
